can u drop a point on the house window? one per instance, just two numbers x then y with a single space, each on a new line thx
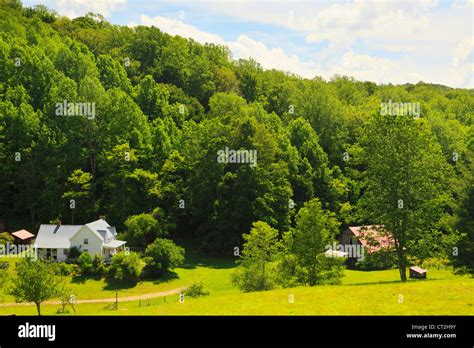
86 241
86 250
52 254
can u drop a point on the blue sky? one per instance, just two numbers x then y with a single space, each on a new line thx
381 41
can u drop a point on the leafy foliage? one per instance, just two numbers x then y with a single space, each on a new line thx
164 107
35 281
163 255
126 267
256 270
305 245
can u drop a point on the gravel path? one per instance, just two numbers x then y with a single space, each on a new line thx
107 300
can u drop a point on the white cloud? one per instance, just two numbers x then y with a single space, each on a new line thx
365 67
242 47
334 59
271 58
178 27
423 35
77 8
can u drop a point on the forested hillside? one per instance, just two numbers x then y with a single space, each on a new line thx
164 106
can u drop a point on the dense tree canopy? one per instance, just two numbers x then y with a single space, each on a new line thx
146 115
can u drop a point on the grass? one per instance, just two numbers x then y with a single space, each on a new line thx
361 293
211 271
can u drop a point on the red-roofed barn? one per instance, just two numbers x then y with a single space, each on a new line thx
371 237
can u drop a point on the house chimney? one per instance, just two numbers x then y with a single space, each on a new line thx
101 217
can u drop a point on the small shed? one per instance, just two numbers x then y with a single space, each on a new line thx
417 272
23 237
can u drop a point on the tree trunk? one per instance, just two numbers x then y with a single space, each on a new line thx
403 273
401 264
38 308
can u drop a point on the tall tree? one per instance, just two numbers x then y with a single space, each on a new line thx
315 229
406 181
261 247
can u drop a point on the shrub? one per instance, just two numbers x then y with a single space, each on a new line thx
249 276
85 263
98 267
435 263
163 255
73 254
288 271
126 266
196 290
377 260
65 269
6 237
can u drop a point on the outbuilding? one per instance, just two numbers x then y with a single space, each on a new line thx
23 237
417 272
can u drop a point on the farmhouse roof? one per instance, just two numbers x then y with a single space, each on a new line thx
59 236
55 236
114 244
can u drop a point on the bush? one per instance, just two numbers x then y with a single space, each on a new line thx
288 271
196 290
85 263
6 237
66 269
435 263
163 255
378 260
98 267
249 277
126 266
73 254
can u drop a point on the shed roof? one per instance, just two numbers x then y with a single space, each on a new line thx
23 234
418 269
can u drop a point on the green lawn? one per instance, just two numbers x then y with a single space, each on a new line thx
213 272
371 293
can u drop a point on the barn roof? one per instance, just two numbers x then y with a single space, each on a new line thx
372 237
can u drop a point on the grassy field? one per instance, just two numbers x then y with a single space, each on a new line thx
371 293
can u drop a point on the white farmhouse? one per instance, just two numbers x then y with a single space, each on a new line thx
98 237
